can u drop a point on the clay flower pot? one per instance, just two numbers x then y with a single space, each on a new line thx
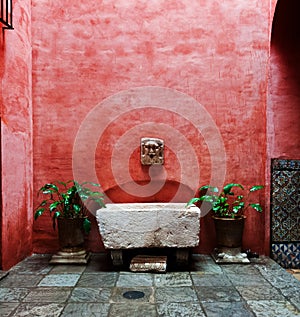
229 231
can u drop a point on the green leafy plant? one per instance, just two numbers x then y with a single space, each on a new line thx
68 200
227 204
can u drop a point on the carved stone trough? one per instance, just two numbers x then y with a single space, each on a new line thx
149 225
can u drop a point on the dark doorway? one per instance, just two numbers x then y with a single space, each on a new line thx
284 132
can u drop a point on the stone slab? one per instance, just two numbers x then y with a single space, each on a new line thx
82 257
149 225
146 263
230 255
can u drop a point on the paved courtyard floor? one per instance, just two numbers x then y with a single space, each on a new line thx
36 288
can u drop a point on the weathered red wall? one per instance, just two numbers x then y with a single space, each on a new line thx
16 138
214 52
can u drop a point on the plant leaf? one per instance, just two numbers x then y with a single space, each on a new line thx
193 201
43 203
257 187
100 202
227 188
49 186
77 208
211 188
86 225
257 207
62 183
207 198
238 207
54 205
55 216
38 213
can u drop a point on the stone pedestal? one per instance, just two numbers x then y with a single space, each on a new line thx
78 257
117 257
230 255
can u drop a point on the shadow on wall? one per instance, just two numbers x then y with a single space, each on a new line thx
120 193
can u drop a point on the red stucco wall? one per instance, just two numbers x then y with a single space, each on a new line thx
16 138
86 55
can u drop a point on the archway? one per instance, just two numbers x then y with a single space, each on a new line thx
283 133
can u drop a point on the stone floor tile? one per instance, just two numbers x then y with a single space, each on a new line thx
35 264
3 274
175 279
117 295
38 310
130 310
263 292
203 258
295 301
32 268
205 264
7 308
101 279
60 280
85 310
90 295
96 290
247 279
210 280
67 268
180 309
99 262
128 279
239 269
276 272
13 294
38 258
228 309
282 280
280 275
290 290
48 295
175 294
275 269
218 294
273 308
206 268
20 280
265 261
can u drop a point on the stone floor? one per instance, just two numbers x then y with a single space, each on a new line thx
36 288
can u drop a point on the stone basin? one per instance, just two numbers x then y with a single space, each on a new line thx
149 225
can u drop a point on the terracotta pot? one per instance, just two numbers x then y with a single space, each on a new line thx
70 234
229 231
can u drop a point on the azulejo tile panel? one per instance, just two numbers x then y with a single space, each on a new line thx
285 212
286 254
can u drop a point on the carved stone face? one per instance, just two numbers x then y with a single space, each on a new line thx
152 151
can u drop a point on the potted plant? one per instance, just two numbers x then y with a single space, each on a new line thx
67 203
228 209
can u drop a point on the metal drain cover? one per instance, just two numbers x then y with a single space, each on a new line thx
133 294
